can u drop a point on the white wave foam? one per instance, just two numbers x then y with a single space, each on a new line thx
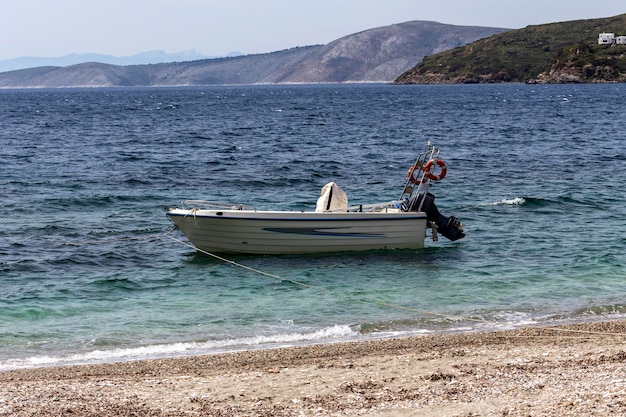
182 349
517 318
516 201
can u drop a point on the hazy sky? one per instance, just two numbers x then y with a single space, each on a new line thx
51 28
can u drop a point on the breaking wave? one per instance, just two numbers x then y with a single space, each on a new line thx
330 334
515 201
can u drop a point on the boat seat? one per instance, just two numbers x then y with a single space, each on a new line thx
332 198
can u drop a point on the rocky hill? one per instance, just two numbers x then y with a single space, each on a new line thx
375 55
585 63
556 52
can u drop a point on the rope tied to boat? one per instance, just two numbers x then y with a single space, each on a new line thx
386 304
231 262
303 284
120 239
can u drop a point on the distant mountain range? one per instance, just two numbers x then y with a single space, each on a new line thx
375 55
150 57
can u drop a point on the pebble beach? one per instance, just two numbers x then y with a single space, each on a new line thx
573 370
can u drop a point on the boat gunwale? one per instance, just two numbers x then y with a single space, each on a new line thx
311 216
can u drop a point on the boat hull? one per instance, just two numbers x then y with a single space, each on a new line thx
275 232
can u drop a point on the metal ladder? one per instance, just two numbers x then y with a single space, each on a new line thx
417 181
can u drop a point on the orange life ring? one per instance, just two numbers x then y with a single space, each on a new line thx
429 166
412 179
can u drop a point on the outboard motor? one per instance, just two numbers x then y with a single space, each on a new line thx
450 227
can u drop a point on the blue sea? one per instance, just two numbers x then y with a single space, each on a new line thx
89 272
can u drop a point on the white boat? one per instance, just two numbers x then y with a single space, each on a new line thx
333 227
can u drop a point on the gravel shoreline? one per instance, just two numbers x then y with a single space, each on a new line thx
574 370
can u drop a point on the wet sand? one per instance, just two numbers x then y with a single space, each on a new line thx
577 370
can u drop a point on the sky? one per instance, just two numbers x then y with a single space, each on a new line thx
54 28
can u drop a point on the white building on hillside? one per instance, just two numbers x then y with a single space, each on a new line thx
620 40
606 39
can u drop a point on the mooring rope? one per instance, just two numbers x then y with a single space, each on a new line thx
380 303
229 261
483 321
121 239
389 305
430 313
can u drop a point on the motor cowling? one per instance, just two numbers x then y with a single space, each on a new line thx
450 227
